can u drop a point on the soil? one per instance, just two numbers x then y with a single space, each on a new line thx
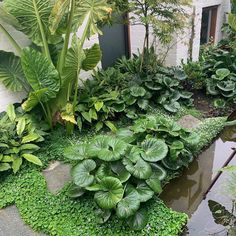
204 103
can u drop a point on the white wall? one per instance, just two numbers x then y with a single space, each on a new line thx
6 96
180 46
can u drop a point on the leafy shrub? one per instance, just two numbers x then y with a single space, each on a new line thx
223 84
125 170
195 75
18 135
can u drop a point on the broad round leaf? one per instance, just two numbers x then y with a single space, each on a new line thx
75 191
145 193
77 152
154 183
108 148
138 221
103 215
121 173
112 192
154 150
103 171
128 205
141 169
172 106
126 135
159 171
137 91
81 173
222 73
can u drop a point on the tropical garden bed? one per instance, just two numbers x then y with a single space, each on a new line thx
118 130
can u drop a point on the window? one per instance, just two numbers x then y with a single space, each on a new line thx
208 30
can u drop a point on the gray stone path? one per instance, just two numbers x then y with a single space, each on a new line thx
11 224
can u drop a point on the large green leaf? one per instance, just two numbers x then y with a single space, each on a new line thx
111 193
128 205
138 221
154 183
33 99
31 14
141 169
107 148
126 135
92 57
77 152
11 112
57 14
20 127
145 193
93 11
137 91
11 74
33 159
232 21
73 63
81 173
154 150
40 73
119 170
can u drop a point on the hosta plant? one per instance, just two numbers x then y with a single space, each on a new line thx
49 69
18 138
125 170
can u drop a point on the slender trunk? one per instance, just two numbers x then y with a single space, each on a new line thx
147 35
67 38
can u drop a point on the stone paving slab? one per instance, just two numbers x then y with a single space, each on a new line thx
57 175
11 224
189 122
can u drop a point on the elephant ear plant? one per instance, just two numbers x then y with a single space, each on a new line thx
49 69
18 138
127 169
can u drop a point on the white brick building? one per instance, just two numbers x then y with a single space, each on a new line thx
211 13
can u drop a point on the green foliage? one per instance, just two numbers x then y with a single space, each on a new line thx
223 83
18 138
196 77
11 74
126 169
161 17
51 71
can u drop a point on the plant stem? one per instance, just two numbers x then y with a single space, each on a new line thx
45 43
80 46
11 39
67 37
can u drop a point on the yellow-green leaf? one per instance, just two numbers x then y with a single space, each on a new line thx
30 137
20 126
16 164
33 159
11 112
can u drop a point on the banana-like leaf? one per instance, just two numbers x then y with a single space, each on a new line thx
92 57
57 14
11 74
74 59
111 193
93 11
33 99
30 14
6 18
40 73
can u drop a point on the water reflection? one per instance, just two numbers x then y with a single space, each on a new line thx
185 193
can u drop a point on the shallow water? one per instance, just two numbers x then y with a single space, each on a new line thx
185 194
